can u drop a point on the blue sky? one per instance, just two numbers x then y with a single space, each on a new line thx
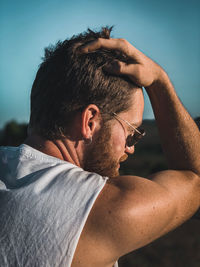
166 31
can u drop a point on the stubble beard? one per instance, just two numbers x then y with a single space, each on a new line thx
99 157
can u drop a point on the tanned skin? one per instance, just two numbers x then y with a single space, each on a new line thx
131 211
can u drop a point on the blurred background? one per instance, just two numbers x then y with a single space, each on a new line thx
166 31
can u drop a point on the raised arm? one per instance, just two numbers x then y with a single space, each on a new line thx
143 210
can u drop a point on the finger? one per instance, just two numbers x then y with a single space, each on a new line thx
111 44
132 71
119 68
99 43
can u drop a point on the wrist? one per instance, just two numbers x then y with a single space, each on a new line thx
161 82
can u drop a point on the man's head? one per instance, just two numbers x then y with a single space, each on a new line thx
67 82
116 138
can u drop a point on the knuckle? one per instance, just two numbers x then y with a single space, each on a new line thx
120 67
123 41
123 45
100 41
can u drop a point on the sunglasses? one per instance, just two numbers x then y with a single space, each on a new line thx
137 134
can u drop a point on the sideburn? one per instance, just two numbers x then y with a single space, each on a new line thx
98 156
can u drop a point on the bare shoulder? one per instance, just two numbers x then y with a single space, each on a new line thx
133 211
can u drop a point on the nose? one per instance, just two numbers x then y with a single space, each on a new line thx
130 149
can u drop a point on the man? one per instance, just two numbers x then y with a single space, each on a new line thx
64 203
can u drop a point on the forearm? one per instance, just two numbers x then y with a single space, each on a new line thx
179 134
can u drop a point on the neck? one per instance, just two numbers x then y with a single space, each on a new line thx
64 149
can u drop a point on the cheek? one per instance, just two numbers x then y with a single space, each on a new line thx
118 143
118 147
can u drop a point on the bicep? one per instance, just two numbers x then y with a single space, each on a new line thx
147 209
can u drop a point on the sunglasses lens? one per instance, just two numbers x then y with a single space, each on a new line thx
130 140
135 138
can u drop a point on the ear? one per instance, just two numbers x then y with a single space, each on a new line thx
90 121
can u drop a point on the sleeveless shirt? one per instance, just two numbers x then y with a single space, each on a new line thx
44 205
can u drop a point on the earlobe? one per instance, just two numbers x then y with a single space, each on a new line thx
90 121
88 141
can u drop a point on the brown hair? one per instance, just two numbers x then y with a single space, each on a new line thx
68 81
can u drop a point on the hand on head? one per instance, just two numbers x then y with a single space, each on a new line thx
140 69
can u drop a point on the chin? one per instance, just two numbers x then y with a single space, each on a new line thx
107 172
112 173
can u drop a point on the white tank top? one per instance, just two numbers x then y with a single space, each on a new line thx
44 204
